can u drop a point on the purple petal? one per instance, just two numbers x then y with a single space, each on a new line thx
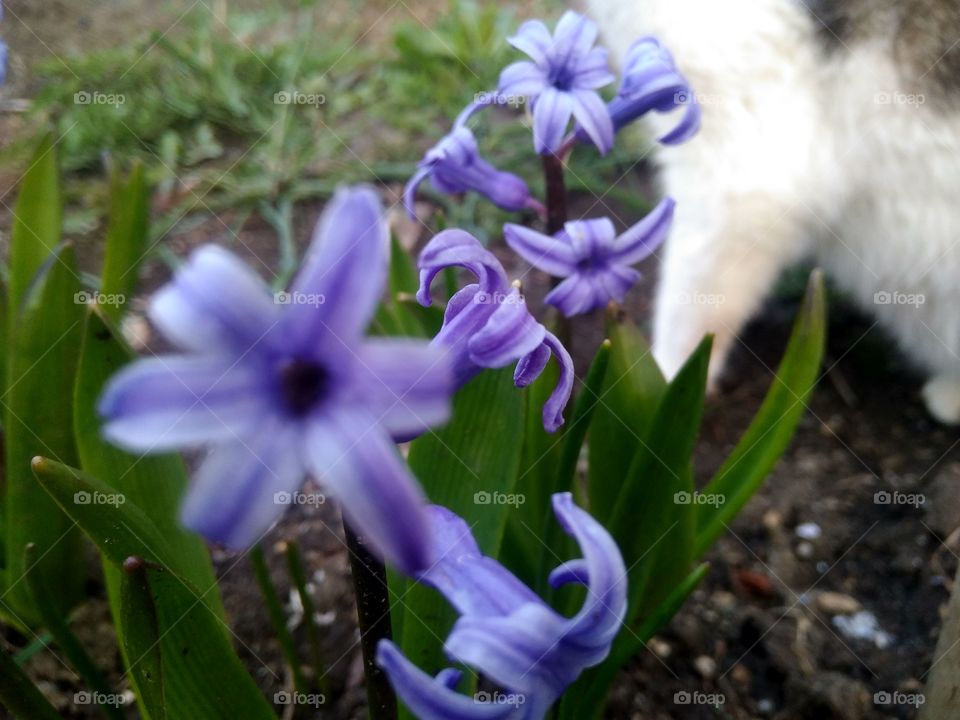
534 39
551 115
474 584
589 238
574 296
408 384
573 37
593 71
214 302
592 114
531 365
174 402
510 333
687 127
572 571
456 248
410 191
522 79
552 255
379 497
641 240
605 606
346 266
514 651
557 402
432 698
240 488
613 283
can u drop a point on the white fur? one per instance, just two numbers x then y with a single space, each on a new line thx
800 154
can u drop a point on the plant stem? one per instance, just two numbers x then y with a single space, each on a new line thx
556 193
556 187
373 614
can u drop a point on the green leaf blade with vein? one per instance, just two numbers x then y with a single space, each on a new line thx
201 674
774 424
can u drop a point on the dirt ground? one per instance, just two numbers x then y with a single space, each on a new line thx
857 521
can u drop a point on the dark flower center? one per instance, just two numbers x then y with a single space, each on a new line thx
302 384
562 78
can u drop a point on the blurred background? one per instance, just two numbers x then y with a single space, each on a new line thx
248 114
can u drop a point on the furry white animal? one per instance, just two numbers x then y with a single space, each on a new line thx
830 129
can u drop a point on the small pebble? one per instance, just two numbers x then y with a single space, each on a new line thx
834 603
660 648
706 666
863 626
808 531
805 550
765 706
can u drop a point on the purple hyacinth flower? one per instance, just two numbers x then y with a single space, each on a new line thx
562 80
651 81
595 262
279 386
505 632
454 165
488 325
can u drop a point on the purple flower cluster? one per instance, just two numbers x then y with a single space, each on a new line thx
506 633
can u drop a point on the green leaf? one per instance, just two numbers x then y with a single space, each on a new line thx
653 530
127 233
202 676
42 349
36 223
624 411
582 415
462 466
772 428
586 699
52 618
20 696
140 639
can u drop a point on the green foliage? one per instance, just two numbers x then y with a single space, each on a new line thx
43 330
201 675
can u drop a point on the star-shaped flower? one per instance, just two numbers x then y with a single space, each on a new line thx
562 80
593 260
279 387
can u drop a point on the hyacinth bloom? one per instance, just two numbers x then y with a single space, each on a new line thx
487 324
454 165
561 79
277 389
505 632
651 81
593 260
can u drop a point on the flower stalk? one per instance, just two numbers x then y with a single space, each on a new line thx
373 615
